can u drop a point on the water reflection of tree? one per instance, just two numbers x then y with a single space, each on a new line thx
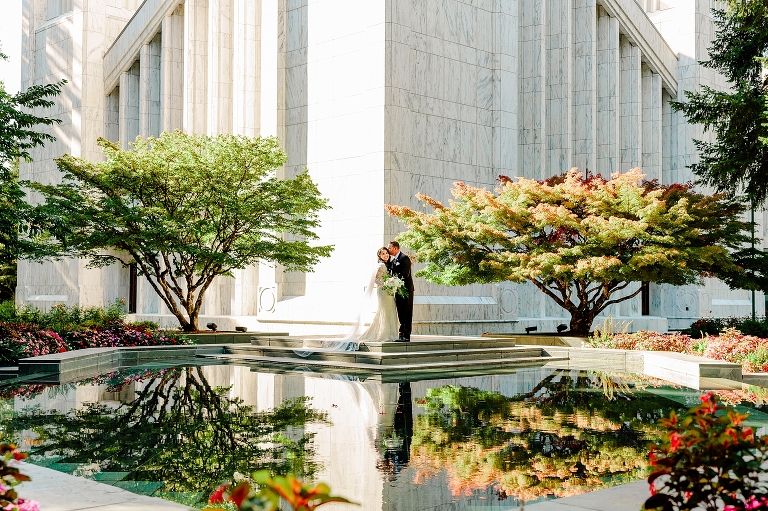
565 437
180 430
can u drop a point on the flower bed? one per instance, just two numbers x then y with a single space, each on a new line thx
730 346
28 332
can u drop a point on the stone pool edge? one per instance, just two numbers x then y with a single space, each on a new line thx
73 365
688 370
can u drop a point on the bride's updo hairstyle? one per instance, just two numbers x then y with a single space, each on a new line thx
379 252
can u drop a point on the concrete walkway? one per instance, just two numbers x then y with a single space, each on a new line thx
626 497
56 491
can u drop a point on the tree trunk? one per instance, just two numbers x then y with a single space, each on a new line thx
191 326
581 322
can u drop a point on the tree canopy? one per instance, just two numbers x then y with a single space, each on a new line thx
185 209
737 159
580 240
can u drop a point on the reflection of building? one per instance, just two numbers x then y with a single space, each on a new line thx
380 100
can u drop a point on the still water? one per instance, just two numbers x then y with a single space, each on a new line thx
449 442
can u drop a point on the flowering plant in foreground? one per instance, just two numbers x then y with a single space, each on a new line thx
10 476
393 285
300 496
708 460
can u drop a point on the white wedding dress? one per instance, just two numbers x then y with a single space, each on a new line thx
384 326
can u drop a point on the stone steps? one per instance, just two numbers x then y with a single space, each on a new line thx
408 367
418 343
385 358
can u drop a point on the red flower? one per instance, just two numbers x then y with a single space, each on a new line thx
675 440
240 493
217 497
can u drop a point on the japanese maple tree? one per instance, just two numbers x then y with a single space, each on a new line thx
580 240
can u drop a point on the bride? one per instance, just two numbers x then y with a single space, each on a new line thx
384 326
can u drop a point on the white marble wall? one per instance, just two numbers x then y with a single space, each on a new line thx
584 93
560 62
150 88
652 129
195 94
630 105
608 94
172 70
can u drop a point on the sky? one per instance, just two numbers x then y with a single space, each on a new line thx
10 41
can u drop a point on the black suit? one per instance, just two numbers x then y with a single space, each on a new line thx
400 266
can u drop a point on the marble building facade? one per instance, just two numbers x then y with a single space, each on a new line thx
380 100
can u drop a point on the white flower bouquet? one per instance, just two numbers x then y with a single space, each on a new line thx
393 285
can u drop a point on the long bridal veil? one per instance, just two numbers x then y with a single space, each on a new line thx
351 340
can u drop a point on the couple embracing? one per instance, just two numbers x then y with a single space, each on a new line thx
394 314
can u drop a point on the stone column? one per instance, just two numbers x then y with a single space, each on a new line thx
505 91
608 72
652 124
246 67
532 128
630 92
195 96
172 71
112 115
149 87
668 140
559 76
272 123
220 66
584 91
129 105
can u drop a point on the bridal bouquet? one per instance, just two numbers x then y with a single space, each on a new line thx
393 285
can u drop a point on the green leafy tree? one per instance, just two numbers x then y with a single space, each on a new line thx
578 240
738 118
18 136
185 209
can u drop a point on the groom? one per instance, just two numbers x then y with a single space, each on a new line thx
399 265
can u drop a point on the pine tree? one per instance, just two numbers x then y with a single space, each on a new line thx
738 158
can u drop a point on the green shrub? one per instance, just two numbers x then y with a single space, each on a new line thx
714 326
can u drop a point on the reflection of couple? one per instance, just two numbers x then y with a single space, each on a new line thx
397 445
392 309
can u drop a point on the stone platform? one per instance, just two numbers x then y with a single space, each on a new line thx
422 353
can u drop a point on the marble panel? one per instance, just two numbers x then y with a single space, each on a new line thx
608 76
195 95
129 105
172 70
652 124
630 104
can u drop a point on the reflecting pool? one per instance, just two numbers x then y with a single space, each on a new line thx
466 442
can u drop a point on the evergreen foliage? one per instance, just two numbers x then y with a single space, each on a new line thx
738 118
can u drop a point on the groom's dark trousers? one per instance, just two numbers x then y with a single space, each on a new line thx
400 266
